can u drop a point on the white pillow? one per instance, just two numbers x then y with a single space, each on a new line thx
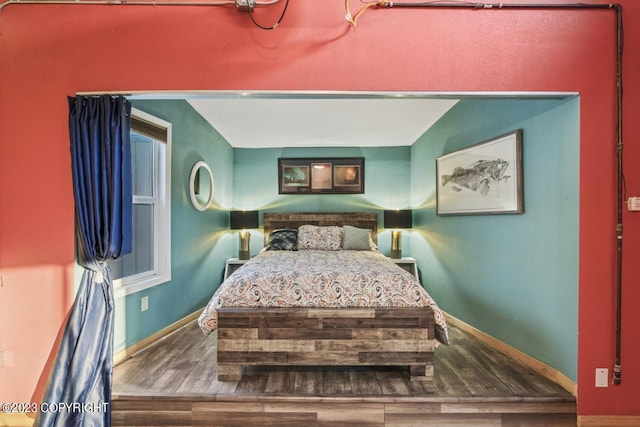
327 238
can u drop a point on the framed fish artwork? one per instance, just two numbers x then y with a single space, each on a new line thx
484 178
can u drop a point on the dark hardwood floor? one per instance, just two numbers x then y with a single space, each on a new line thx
173 382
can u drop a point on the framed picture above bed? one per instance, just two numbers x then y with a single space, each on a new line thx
485 178
313 175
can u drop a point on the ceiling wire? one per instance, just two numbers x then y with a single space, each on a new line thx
353 19
156 3
273 27
442 4
132 3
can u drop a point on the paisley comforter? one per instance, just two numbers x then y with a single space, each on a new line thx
315 278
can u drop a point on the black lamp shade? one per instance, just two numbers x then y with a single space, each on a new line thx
243 219
398 219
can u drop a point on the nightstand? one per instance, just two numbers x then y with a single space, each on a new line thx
232 265
407 263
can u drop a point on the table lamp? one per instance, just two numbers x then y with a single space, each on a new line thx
396 220
243 221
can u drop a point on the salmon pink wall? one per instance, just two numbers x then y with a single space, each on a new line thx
51 51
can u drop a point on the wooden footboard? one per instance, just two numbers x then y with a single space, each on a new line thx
325 336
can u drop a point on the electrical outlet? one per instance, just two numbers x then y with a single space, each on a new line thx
144 304
602 377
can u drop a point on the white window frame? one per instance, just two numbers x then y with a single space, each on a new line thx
161 273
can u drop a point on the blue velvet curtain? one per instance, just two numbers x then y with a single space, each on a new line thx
78 391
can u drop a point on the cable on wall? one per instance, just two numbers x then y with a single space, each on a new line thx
353 19
116 3
248 8
439 4
617 368
273 27
132 3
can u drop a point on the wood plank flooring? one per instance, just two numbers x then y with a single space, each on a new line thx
173 382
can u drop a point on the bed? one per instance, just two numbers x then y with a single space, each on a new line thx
304 301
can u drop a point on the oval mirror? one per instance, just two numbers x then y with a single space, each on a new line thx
201 186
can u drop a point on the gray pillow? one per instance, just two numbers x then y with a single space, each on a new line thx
356 239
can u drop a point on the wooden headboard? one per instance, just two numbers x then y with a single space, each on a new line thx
275 221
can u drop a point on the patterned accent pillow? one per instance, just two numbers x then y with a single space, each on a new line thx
356 239
320 238
283 240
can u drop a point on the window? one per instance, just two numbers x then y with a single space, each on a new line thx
149 263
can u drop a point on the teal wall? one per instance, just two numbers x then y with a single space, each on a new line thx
514 277
200 242
387 177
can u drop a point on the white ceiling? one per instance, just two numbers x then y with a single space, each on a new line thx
317 121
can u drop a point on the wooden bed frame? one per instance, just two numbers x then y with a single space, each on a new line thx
325 336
